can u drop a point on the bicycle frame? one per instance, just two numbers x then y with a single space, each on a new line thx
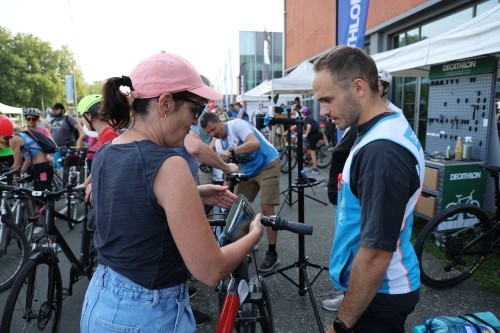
78 266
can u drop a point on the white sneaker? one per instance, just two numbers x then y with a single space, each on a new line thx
333 304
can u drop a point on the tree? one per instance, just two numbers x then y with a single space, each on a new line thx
96 87
30 70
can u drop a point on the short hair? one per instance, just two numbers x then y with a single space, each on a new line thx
296 99
346 64
58 106
208 117
231 105
237 103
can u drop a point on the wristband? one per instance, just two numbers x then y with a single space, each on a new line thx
340 327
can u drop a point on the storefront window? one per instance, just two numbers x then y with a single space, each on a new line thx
367 49
485 6
412 36
399 40
446 23
409 98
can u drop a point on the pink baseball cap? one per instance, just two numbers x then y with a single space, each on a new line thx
166 72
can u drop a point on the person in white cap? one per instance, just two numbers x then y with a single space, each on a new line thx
384 81
151 231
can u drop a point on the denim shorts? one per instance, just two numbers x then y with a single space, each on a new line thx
113 303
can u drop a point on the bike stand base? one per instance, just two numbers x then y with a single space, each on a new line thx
303 277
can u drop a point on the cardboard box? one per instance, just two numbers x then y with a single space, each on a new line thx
426 205
431 178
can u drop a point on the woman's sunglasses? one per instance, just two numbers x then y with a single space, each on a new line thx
31 118
199 107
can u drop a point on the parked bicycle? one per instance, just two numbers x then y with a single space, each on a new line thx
245 303
323 155
14 247
453 245
35 301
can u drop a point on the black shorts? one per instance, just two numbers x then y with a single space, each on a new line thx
313 139
43 174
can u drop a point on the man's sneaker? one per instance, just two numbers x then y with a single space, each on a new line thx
192 291
329 148
200 318
269 262
333 304
314 171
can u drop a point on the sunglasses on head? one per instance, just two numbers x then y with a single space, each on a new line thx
31 118
199 107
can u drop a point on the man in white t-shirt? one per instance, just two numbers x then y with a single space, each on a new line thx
384 81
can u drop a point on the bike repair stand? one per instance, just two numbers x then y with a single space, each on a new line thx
291 187
304 285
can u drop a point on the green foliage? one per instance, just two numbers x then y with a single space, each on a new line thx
31 70
96 87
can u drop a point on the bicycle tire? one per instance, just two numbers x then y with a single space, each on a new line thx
14 252
285 156
263 311
443 259
31 287
323 156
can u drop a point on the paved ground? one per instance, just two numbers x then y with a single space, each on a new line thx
293 313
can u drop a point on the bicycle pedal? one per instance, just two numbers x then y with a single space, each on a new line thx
32 219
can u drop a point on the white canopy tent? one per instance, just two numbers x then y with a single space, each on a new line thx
479 36
299 81
5 109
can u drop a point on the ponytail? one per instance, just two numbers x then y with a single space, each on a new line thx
115 106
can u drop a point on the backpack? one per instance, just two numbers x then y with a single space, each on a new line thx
76 134
245 115
47 145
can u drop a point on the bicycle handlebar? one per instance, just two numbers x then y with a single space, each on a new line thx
277 223
46 194
239 159
11 172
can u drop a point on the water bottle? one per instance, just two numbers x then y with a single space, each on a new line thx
445 325
266 119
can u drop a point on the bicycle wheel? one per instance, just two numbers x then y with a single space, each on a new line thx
448 257
14 252
27 305
261 313
323 156
285 157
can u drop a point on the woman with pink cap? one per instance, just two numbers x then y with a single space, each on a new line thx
151 230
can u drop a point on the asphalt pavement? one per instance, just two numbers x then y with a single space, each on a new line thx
293 312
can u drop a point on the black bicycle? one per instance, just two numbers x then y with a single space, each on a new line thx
35 301
454 244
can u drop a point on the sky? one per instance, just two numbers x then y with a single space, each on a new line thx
109 37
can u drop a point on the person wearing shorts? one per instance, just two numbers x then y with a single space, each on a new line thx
238 137
312 135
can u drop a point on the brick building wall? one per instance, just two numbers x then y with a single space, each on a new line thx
311 25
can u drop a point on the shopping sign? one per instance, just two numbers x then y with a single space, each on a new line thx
462 184
473 66
351 22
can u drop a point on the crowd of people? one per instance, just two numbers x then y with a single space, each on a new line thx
145 181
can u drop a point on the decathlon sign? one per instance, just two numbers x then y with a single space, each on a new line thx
351 22
472 66
465 175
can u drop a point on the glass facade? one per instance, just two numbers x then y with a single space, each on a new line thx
406 92
261 58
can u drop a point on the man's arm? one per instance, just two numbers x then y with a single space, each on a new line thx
368 271
81 139
250 145
205 154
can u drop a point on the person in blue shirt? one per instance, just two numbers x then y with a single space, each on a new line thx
372 258
237 137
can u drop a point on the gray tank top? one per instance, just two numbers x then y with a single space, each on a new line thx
132 236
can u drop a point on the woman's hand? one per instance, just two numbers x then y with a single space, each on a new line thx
215 195
256 224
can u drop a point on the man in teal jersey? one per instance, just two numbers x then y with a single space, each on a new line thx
237 137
